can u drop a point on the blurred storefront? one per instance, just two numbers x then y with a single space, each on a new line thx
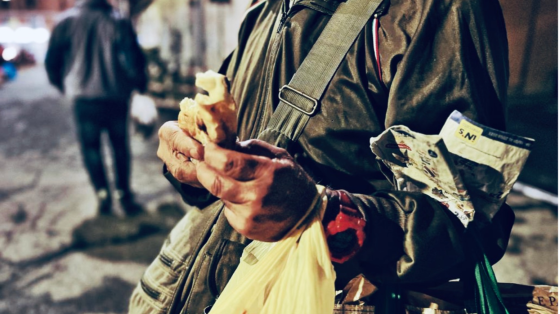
25 29
24 32
183 37
180 37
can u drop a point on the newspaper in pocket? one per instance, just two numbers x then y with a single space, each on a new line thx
468 167
488 160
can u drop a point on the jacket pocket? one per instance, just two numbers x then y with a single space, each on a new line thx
145 300
157 284
151 292
224 262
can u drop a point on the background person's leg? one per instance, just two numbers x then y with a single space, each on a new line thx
89 135
117 127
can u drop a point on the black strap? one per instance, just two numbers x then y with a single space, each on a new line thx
299 100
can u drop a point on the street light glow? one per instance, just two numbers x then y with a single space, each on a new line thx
41 35
6 35
24 35
10 53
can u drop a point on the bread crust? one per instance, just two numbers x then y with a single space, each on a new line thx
212 117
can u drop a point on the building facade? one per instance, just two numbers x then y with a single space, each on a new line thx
41 5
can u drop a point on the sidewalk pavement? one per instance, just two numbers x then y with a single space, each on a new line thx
58 257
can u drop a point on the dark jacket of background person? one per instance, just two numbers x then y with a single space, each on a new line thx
95 60
93 53
435 57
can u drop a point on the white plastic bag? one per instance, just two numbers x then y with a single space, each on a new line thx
294 275
144 114
143 109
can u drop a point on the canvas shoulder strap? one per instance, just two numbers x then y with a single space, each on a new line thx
299 100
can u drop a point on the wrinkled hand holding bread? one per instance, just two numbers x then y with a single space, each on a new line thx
212 117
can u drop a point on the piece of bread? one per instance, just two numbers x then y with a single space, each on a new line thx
212 117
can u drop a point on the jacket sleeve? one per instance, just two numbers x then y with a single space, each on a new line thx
449 55
436 57
411 238
136 60
190 195
56 55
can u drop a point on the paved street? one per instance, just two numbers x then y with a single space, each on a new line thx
57 257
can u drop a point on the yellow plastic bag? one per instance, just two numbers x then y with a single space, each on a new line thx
293 275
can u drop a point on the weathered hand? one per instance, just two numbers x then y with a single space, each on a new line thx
265 191
176 149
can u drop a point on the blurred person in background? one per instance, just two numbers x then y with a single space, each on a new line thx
95 60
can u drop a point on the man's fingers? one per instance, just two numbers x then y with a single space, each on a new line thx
179 141
239 166
224 187
181 157
185 173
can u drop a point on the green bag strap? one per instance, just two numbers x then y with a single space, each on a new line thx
481 287
299 100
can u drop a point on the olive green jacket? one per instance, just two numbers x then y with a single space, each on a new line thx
436 56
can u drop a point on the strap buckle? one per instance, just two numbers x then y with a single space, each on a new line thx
308 107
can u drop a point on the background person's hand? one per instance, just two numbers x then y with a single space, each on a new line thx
176 149
265 191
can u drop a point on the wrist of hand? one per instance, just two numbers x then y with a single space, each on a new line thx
344 226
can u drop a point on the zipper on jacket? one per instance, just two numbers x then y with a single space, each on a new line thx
268 72
211 279
282 21
176 292
189 265
376 45
285 9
